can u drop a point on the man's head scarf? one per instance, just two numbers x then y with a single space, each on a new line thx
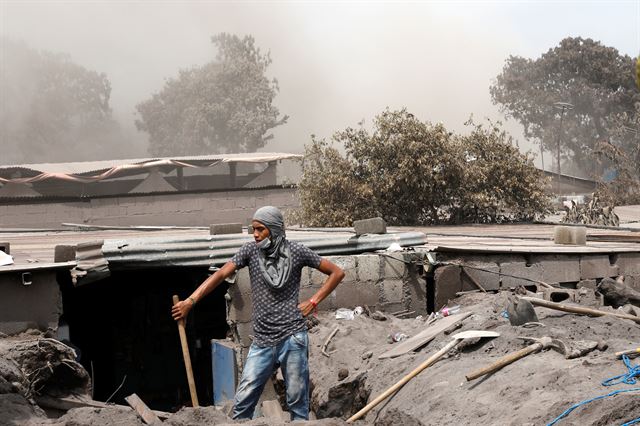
275 259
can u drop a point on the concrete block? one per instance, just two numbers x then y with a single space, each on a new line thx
447 282
242 281
415 288
597 266
393 290
64 253
509 272
327 304
347 263
225 228
245 333
572 235
628 263
240 307
559 268
489 279
394 266
374 225
350 295
305 277
368 267
559 295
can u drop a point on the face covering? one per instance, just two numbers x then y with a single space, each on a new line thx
264 244
275 255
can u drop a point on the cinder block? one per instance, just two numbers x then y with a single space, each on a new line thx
509 272
245 333
368 267
572 235
305 277
374 225
415 288
64 253
350 295
242 281
488 278
596 266
392 290
328 304
240 308
225 228
628 263
447 282
347 263
559 268
394 266
559 295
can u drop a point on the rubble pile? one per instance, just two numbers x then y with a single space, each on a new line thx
355 358
534 390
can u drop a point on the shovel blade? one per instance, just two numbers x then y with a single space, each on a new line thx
470 334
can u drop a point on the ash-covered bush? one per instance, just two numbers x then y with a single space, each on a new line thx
415 173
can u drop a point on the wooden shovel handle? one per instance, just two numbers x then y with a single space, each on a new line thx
430 361
578 309
187 358
505 360
628 352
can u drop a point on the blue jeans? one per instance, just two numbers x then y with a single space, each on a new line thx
292 356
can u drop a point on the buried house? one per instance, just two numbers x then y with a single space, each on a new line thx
107 292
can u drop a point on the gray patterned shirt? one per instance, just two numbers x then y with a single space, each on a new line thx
275 312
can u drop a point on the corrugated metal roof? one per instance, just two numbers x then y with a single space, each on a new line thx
153 252
88 171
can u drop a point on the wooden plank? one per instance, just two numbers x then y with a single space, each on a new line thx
67 403
425 336
141 408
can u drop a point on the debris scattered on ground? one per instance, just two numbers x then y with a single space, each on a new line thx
534 390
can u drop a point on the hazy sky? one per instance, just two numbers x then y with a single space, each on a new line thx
337 63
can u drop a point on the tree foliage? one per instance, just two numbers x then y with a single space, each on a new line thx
223 106
412 172
597 80
624 164
53 109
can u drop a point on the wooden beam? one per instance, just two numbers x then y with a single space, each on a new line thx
141 408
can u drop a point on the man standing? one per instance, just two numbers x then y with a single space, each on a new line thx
280 334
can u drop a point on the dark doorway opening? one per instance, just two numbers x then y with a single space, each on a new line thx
123 327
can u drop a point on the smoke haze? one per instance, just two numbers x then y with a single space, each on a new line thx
336 63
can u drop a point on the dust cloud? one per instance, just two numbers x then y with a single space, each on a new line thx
336 63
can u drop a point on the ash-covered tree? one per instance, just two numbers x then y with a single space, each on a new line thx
597 80
414 173
53 109
223 106
500 183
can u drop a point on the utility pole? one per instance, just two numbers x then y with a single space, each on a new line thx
563 106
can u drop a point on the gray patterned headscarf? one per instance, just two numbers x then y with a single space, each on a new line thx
275 256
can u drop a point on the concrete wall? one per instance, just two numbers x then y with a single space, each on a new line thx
36 306
180 209
507 271
382 282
